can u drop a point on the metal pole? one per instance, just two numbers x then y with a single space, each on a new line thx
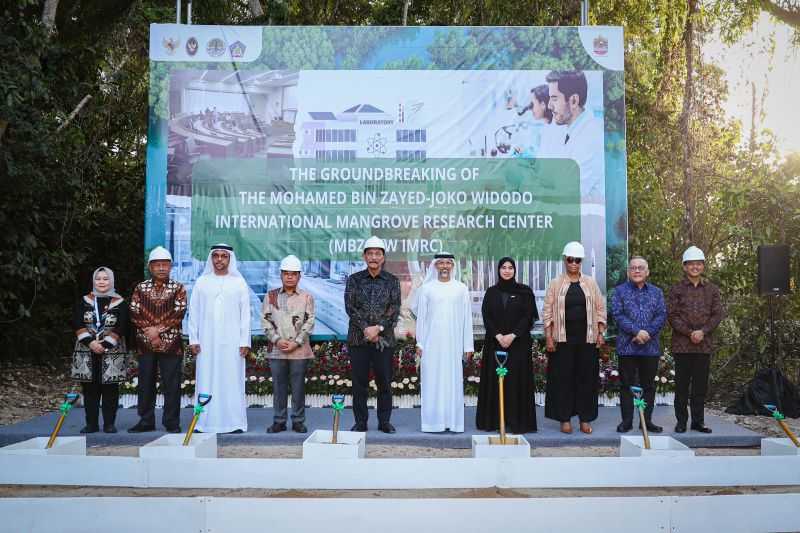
643 424
334 436
177 11
789 433
56 431
502 411
189 13
406 4
584 12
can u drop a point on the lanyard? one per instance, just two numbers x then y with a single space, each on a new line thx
98 320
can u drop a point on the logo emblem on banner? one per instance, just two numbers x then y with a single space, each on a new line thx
376 144
191 46
170 44
237 49
215 47
600 45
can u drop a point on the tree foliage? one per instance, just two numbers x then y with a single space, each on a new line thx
72 198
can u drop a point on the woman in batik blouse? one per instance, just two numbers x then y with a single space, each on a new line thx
100 358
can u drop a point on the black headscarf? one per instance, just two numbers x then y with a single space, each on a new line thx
510 286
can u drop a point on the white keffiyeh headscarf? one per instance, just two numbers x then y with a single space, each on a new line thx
233 269
433 275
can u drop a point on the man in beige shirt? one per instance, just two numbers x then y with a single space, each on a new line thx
287 317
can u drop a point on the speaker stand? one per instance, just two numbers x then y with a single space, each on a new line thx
771 318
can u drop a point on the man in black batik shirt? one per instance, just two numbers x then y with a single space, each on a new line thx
372 301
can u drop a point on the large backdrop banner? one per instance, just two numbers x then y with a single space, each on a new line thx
307 140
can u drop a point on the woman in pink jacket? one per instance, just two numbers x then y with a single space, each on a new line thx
574 323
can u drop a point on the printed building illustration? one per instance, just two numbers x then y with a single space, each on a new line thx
360 132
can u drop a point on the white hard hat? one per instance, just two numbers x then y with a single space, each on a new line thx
291 263
159 253
374 242
693 253
574 249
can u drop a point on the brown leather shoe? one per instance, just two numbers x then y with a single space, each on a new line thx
566 427
586 428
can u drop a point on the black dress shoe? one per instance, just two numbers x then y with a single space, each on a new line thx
89 429
701 428
173 429
141 428
652 428
624 428
109 428
680 427
276 428
359 426
299 427
236 432
386 427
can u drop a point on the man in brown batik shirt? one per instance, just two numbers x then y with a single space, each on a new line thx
156 309
695 311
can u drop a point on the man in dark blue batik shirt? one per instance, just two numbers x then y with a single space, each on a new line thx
639 309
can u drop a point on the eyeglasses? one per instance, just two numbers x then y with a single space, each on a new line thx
637 268
574 260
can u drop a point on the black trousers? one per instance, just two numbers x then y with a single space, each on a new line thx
95 392
361 358
641 371
691 385
572 382
170 367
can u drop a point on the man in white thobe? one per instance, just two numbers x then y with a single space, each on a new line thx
444 338
219 336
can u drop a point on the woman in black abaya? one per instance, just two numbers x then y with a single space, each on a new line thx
509 311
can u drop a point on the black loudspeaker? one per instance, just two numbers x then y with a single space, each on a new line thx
773 269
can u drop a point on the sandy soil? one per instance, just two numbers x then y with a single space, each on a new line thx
384 451
41 491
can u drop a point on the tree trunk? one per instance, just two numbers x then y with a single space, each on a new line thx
255 8
685 126
788 15
753 126
49 14
406 3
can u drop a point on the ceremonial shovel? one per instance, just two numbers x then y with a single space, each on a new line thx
202 401
641 404
337 402
501 358
778 416
69 400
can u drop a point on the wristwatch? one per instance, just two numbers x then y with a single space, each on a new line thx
380 328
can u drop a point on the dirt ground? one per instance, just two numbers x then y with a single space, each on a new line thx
30 391
384 451
40 491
